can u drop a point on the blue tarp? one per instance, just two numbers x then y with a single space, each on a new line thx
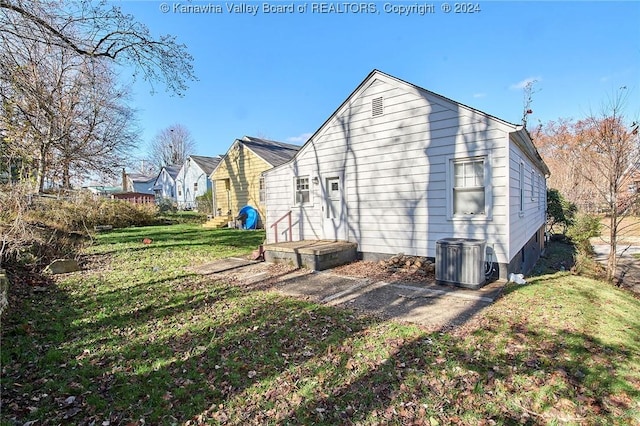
251 222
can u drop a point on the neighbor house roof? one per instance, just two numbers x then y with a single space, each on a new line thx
141 183
274 153
207 164
173 170
139 177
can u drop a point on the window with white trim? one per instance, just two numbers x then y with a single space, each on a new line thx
531 185
469 195
302 193
521 187
195 187
540 192
261 191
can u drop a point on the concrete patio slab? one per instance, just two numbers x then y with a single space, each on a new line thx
427 304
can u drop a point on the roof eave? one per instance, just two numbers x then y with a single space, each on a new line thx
524 142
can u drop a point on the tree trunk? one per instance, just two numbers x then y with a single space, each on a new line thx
612 261
42 166
66 176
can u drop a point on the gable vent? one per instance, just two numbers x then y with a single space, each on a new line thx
377 107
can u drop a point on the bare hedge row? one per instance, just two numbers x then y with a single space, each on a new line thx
35 228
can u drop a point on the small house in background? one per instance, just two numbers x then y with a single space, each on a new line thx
136 188
399 169
137 182
101 189
192 180
237 179
164 186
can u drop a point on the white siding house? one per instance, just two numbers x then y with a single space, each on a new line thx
165 183
193 181
397 168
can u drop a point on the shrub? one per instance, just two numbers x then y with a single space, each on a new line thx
204 203
81 212
36 228
166 205
583 228
559 210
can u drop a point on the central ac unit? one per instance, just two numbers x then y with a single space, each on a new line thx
460 261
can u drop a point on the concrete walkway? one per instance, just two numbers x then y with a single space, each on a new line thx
431 305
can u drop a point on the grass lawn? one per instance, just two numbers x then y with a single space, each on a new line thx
137 339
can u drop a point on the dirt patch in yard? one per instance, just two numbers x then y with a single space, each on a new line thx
377 271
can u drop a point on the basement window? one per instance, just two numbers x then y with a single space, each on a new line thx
377 106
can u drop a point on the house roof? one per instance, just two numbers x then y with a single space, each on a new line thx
207 164
142 183
522 134
273 152
140 178
172 170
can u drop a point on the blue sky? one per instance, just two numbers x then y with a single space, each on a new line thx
281 75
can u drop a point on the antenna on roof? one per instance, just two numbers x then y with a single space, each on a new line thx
528 100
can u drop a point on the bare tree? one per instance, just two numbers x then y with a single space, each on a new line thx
30 78
172 145
595 163
99 30
608 154
62 111
557 142
99 127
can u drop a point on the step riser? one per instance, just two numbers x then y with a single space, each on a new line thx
316 262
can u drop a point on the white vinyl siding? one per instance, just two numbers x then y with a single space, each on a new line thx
395 167
526 216
191 182
399 173
166 185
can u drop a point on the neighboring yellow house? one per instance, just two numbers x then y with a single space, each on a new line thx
237 180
